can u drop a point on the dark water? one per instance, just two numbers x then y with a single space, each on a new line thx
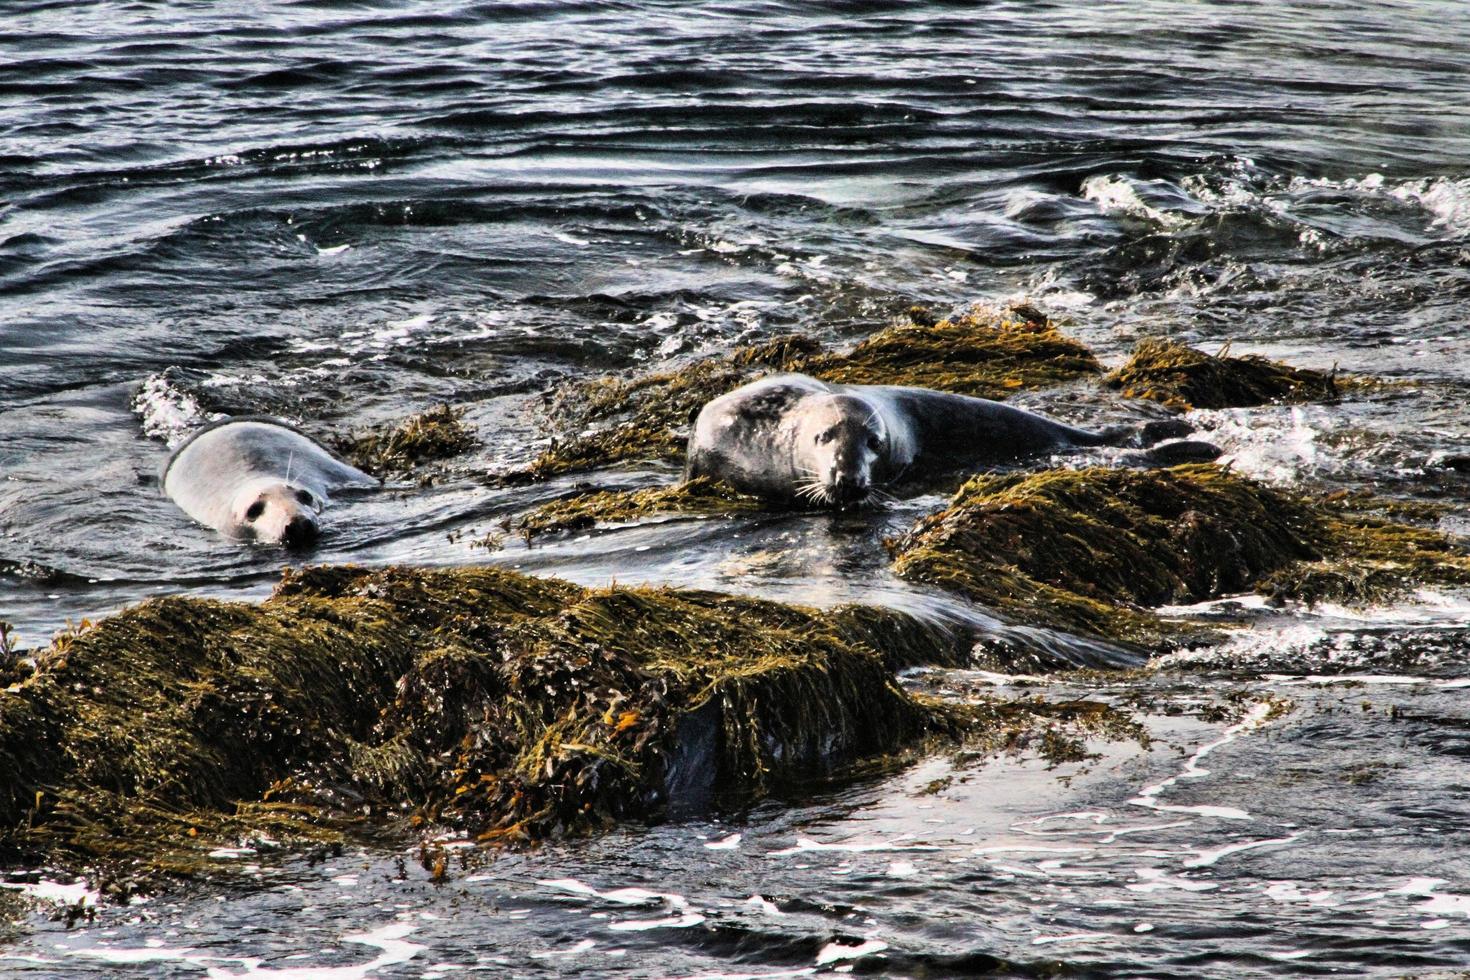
342 212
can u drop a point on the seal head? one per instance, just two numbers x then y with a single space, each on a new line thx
838 442
257 479
275 512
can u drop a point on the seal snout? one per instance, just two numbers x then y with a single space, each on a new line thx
848 488
300 531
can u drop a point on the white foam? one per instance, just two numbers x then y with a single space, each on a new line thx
166 412
1287 891
581 946
806 844
1438 904
1207 858
144 954
57 893
1279 446
1149 795
835 952
1024 848
683 914
1119 195
1445 199
389 939
684 921
1158 880
805 971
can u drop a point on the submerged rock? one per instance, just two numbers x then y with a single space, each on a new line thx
585 510
398 450
1184 378
1092 551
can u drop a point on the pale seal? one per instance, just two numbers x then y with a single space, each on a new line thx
794 438
256 479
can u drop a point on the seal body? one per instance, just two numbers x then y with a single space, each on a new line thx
257 479
795 438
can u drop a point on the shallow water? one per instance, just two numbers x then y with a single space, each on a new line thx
342 212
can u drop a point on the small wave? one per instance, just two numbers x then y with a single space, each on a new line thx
167 411
1282 447
1156 201
1446 200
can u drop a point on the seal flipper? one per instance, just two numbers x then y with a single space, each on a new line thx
1174 453
1141 435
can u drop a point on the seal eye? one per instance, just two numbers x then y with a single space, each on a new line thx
303 496
874 443
255 510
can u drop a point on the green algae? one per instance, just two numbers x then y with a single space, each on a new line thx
1093 551
504 707
700 496
398 450
610 420
1184 378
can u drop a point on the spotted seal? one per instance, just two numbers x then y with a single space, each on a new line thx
794 438
256 479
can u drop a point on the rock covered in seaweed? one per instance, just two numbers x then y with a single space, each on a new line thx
1094 550
1184 378
509 707
984 354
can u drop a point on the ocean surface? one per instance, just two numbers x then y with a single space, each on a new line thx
345 211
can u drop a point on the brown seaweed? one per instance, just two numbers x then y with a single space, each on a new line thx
1184 378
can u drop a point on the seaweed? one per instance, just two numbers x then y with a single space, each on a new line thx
509 708
398 450
982 353
1094 550
1184 378
611 420
584 510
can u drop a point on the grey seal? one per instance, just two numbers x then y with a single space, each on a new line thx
256 479
792 437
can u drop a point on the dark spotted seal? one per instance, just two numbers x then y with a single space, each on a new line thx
256 479
795 438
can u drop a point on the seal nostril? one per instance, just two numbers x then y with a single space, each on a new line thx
299 531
